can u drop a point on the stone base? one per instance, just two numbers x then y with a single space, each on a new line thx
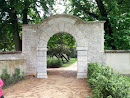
81 75
42 75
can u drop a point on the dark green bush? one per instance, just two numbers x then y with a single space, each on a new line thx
10 79
16 76
6 77
54 63
105 83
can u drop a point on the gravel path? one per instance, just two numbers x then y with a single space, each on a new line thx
61 83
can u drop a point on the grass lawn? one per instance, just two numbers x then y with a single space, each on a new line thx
72 60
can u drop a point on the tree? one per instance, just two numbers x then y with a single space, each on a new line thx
13 13
114 12
60 45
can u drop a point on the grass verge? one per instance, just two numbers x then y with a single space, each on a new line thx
72 60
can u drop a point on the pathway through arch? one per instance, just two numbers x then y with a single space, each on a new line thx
61 83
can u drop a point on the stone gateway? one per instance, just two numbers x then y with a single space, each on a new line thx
89 37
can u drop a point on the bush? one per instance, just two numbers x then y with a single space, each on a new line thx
16 76
8 79
105 83
54 63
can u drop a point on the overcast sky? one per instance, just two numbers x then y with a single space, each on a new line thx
59 7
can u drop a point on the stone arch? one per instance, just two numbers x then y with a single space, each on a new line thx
89 37
55 26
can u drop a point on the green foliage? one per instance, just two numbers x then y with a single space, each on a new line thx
61 45
16 76
14 13
54 63
105 83
6 77
61 38
10 79
72 60
114 12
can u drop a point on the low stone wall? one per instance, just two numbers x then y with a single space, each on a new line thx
119 60
12 60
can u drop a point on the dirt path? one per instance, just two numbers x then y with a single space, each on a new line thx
61 83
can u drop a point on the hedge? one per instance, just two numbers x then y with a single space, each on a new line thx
54 63
105 83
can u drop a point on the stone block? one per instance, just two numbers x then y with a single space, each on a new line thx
82 53
42 43
41 69
49 32
44 37
82 64
65 20
41 53
82 58
42 48
42 75
67 28
51 22
55 28
82 69
41 59
61 27
81 43
81 75
81 48
41 64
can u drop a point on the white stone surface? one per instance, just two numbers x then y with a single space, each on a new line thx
88 36
120 62
41 69
42 75
12 61
81 75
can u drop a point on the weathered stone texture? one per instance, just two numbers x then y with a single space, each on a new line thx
89 37
12 61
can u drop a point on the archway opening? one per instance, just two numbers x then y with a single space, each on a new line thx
62 55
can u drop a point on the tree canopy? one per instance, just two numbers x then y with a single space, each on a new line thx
13 13
62 46
116 13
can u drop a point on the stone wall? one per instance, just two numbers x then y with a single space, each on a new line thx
119 60
12 60
89 37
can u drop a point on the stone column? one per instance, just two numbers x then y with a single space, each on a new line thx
82 62
42 63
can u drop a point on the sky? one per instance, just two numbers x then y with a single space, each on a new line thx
59 7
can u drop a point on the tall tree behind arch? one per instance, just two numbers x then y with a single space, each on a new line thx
13 13
114 12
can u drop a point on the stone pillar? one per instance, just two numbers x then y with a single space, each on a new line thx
42 63
82 62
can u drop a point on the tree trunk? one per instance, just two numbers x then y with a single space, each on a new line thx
16 38
107 25
17 41
65 58
25 13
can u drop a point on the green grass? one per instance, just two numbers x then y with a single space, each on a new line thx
72 60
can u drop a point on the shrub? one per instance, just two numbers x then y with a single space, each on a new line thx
105 83
8 79
54 63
